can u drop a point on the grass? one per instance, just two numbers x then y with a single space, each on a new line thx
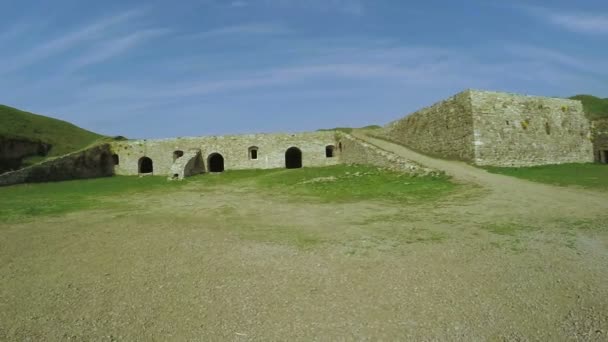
344 183
593 176
32 200
63 136
595 107
340 183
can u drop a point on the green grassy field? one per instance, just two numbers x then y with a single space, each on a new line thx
331 184
593 176
63 136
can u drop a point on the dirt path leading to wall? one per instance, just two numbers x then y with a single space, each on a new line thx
508 194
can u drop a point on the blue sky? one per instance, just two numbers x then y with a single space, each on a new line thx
152 69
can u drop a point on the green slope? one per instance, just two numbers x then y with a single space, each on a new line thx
63 136
595 107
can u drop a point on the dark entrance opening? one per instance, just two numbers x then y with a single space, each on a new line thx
177 154
604 157
145 165
216 163
115 159
293 158
329 151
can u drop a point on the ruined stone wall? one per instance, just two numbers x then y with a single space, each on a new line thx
234 149
90 163
518 130
444 129
356 151
600 140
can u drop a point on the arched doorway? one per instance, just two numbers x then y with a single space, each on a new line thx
293 158
215 162
115 159
145 165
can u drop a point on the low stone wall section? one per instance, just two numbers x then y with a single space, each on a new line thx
235 151
356 151
90 163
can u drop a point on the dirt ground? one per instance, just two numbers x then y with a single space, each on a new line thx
503 259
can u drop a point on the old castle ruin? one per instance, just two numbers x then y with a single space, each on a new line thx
479 127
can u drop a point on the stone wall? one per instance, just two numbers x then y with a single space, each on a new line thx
14 150
356 151
499 129
234 149
517 130
90 163
444 129
600 140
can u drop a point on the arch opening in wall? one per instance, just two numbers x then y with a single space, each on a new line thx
145 165
329 151
293 158
253 153
215 162
115 159
177 154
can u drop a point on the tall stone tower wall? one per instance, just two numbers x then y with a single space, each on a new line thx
444 129
499 129
517 130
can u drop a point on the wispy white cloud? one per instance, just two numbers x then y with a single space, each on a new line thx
67 41
351 7
556 57
575 21
245 29
114 47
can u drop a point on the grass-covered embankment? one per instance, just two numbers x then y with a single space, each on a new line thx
341 183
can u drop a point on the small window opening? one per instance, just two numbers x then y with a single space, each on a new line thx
507 122
115 159
253 153
177 154
329 151
547 128
175 176
340 146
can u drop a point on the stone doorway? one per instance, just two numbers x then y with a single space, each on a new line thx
145 165
293 158
215 162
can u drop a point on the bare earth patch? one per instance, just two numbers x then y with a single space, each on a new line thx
510 260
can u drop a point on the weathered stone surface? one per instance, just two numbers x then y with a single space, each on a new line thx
444 129
355 151
600 140
14 150
235 150
516 130
90 163
189 164
500 129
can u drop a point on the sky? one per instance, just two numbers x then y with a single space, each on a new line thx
156 69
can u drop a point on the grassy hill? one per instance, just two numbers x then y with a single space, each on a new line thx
595 107
64 137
